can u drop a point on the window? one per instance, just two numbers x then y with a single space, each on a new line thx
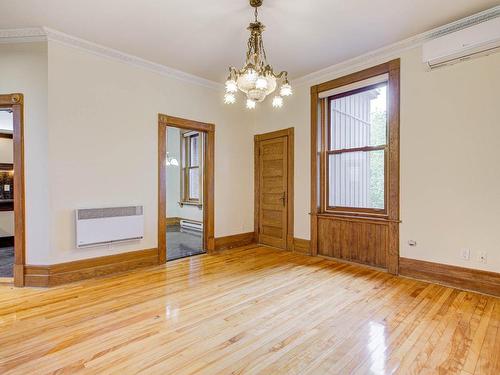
356 149
191 177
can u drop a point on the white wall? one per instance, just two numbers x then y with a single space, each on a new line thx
450 142
103 146
174 181
97 146
23 69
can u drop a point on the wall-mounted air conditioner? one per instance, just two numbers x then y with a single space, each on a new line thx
102 226
478 40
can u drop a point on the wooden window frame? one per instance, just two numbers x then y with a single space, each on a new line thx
186 167
391 217
326 151
208 180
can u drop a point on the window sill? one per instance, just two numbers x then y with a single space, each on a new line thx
359 216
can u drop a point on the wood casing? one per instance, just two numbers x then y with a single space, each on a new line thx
458 277
16 103
359 236
208 180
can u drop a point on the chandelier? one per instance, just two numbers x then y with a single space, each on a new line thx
257 78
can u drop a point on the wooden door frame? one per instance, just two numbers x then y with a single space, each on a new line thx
289 133
16 103
208 180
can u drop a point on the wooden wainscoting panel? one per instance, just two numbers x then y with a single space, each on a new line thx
235 240
63 273
458 277
354 240
302 246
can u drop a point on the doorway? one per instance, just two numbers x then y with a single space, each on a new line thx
274 164
12 224
186 187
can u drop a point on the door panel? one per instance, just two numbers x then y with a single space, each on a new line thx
273 170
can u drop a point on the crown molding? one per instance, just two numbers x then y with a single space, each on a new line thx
103 51
32 34
38 34
392 50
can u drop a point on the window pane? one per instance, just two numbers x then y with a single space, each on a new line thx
194 150
356 179
359 120
194 183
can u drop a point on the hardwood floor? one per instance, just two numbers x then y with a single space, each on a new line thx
251 310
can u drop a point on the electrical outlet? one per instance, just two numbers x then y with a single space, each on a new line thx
465 254
483 257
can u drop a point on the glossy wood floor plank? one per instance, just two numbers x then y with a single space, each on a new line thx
252 310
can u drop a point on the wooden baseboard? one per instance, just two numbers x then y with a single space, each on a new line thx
177 220
63 273
302 246
236 240
457 277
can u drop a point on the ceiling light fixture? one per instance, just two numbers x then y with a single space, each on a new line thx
257 78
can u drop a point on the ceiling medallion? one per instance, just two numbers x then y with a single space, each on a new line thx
257 78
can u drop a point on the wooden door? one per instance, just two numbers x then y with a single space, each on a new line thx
273 191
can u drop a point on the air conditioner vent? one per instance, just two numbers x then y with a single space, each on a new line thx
103 226
99 213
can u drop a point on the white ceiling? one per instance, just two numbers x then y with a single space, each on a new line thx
205 37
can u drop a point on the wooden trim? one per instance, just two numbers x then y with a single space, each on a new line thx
454 276
357 76
6 167
162 193
7 135
172 221
185 166
7 241
63 273
177 220
178 122
16 103
274 134
363 218
235 240
290 134
318 140
314 170
208 180
302 246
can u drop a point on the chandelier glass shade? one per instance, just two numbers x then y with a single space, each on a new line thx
257 78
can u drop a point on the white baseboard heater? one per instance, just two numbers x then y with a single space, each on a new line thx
191 225
103 226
